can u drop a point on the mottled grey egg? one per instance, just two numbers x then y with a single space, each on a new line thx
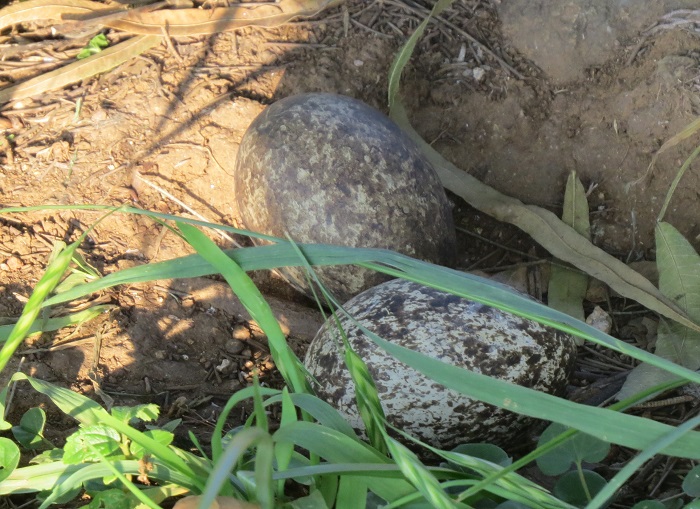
449 328
329 169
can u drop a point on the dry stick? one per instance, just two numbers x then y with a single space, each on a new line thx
189 209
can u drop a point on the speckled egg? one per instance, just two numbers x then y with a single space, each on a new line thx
329 169
449 328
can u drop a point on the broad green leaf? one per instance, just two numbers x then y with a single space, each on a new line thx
48 456
95 45
111 499
691 483
30 431
78 448
9 457
679 280
581 447
567 286
352 493
488 452
161 436
126 414
88 412
577 488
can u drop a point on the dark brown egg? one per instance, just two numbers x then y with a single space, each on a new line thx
329 169
454 330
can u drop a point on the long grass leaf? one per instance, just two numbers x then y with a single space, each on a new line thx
465 285
614 484
52 324
404 54
335 447
239 444
419 476
52 276
627 430
287 363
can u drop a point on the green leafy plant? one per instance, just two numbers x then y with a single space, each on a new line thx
95 45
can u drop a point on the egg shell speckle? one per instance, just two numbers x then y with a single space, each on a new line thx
449 328
329 169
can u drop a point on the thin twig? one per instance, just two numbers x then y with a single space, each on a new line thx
182 204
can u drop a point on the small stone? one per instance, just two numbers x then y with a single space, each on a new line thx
14 263
249 364
247 353
358 63
478 73
159 354
234 346
269 365
225 363
600 320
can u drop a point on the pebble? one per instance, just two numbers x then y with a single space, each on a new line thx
234 346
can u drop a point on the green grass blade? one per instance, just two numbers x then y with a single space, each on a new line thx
251 298
240 443
677 179
633 466
608 425
51 278
335 447
235 399
406 51
465 285
285 451
419 476
321 411
52 324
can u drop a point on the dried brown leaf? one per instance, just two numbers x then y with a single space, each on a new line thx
179 22
81 69
548 230
35 10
